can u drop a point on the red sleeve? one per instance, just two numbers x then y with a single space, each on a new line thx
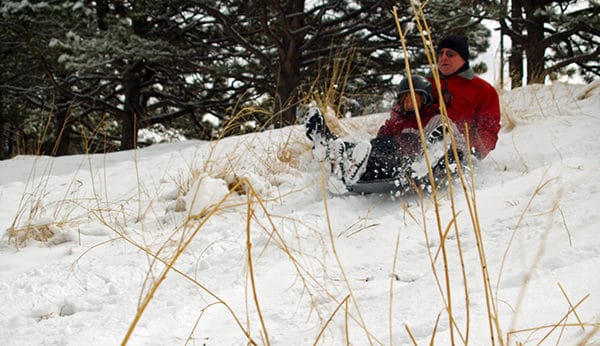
487 120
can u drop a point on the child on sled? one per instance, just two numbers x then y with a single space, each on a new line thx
396 152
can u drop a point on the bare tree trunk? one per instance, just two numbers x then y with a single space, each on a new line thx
536 72
515 61
290 56
128 131
134 79
9 133
287 90
535 50
4 153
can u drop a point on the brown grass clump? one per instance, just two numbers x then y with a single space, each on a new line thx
508 121
20 236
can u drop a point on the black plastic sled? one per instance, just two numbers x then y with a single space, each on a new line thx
380 186
396 186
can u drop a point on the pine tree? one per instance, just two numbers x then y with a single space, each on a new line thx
281 48
105 69
554 38
32 113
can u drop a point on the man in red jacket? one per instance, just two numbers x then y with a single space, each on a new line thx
469 99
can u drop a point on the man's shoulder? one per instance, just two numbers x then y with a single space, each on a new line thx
470 76
482 83
465 79
488 86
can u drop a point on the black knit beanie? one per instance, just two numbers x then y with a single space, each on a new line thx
458 43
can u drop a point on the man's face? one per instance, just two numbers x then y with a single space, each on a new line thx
449 61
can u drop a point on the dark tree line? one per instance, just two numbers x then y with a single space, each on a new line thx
548 38
86 77
565 33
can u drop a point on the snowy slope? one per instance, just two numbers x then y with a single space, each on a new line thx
322 267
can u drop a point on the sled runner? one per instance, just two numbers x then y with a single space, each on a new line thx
398 186
381 186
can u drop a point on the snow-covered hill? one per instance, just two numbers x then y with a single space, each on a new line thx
151 247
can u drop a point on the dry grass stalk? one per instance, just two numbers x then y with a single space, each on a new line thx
448 296
572 309
508 120
469 197
586 338
35 217
20 236
331 96
571 306
543 183
392 280
324 327
249 215
169 265
410 335
170 261
340 265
